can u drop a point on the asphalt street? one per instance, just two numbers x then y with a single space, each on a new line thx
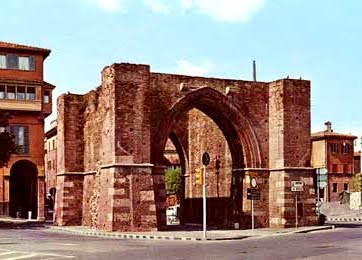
28 242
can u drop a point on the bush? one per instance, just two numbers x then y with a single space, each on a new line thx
173 181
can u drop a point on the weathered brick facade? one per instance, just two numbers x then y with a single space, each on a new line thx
27 98
334 152
111 145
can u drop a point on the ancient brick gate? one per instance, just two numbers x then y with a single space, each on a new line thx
111 146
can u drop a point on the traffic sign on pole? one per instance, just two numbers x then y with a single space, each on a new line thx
205 158
204 203
253 194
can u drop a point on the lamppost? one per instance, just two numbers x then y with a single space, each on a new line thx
217 167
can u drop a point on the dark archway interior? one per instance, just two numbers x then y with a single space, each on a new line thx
23 189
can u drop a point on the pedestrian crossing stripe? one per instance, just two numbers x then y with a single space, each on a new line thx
6 254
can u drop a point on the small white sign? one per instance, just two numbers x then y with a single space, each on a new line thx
297 188
297 184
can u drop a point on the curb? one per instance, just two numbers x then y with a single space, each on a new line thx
125 236
117 235
344 219
314 229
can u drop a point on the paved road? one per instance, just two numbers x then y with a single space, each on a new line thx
41 243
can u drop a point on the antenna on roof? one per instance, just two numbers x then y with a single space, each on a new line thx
254 70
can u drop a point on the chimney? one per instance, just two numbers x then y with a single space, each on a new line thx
254 70
328 125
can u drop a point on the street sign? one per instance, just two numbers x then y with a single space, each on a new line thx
297 188
253 194
297 184
254 182
205 159
323 184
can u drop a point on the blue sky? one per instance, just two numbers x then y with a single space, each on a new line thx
316 40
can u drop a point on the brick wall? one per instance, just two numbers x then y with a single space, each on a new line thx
69 198
70 148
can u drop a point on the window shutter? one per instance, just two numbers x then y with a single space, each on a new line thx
26 139
31 63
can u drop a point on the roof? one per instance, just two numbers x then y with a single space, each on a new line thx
330 134
51 132
25 48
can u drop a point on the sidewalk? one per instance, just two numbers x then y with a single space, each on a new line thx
190 235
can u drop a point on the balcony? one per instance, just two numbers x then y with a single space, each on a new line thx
22 105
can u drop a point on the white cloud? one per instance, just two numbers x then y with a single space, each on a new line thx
158 6
220 10
229 10
111 5
185 67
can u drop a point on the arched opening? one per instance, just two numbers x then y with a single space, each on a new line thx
239 139
23 189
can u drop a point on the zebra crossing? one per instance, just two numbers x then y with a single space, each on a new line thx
15 255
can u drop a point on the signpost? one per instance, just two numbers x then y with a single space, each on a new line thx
205 162
253 194
296 187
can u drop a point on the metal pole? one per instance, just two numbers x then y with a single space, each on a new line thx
252 214
296 210
318 195
204 203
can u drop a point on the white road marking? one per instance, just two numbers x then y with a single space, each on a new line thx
62 256
7 253
65 244
21 257
25 255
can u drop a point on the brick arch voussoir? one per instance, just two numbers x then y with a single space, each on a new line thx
207 99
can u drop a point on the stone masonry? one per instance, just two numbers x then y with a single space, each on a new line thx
111 145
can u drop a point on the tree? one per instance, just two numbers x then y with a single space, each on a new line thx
7 145
173 181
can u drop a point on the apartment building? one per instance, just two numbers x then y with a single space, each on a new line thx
28 99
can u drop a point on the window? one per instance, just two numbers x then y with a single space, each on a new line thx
31 63
334 148
345 186
345 168
49 166
345 148
54 164
23 63
30 93
10 92
12 61
2 62
17 92
53 143
334 168
46 97
21 134
2 91
334 187
20 93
